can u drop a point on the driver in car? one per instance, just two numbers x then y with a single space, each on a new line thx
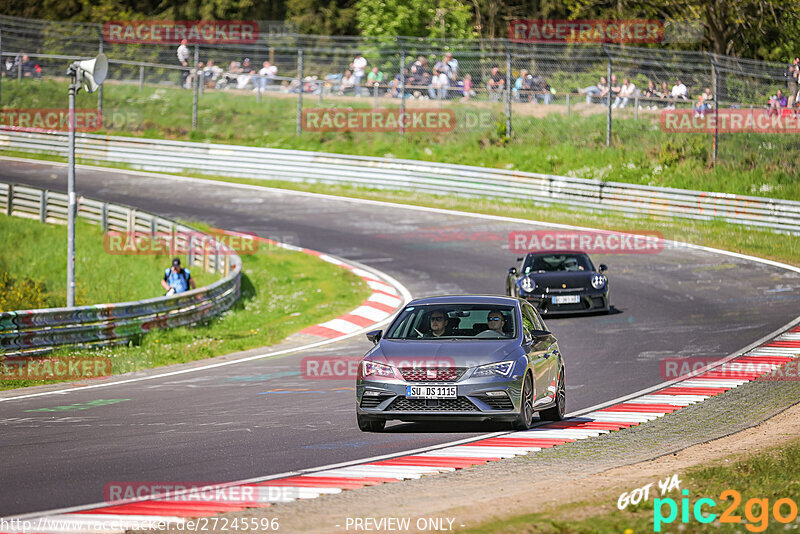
496 322
438 323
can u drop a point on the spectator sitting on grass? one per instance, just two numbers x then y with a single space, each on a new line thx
540 89
496 84
700 106
439 82
467 88
601 88
267 75
708 98
650 94
177 279
614 88
348 83
666 95
394 85
777 103
626 92
679 92
521 86
375 79
211 73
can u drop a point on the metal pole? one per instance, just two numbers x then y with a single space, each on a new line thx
71 205
715 92
402 87
608 111
636 108
141 78
567 104
195 96
508 92
100 89
300 91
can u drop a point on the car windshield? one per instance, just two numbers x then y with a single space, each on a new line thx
455 321
556 262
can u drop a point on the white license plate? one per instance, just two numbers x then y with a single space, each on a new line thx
567 299
430 392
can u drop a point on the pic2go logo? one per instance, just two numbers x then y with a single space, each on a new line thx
756 511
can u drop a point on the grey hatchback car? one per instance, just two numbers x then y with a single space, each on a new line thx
467 358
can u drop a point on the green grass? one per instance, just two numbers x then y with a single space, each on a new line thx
282 293
750 164
770 475
39 254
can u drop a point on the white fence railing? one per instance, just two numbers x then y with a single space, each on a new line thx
409 175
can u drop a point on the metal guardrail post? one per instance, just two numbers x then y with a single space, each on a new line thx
195 96
141 78
10 200
190 251
104 218
43 207
636 108
299 128
568 104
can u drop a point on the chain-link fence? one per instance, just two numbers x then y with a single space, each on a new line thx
603 95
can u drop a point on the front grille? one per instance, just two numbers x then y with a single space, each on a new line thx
373 401
442 374
460 404
565 291
499 403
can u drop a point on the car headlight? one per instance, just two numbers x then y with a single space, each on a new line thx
371 368
598 281
495 369
526 284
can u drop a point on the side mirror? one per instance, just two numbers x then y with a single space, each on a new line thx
538 334
512 270
374 336
520 259
603 267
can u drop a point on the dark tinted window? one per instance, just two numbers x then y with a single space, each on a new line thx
556 262
460 321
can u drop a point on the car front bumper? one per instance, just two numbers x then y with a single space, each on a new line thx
590 302
386 400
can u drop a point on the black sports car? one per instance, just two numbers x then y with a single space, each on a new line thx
562 281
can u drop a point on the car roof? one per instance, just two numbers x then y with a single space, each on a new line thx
495 300
544 252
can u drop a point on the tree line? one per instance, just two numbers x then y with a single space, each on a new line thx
758 29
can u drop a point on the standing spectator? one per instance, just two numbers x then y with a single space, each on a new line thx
267 75
359 67
467 89
29 68
183 59
649 95
601 88
375 79
626 92
496 84
177 279
348 83
791 74
679 92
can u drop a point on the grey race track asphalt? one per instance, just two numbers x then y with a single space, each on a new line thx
223 424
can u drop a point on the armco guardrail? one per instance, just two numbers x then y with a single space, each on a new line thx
294 165
31 332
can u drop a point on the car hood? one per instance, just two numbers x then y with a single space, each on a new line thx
572 279
453 353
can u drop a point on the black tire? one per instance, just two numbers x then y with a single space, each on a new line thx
370 425
525 417
556 413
